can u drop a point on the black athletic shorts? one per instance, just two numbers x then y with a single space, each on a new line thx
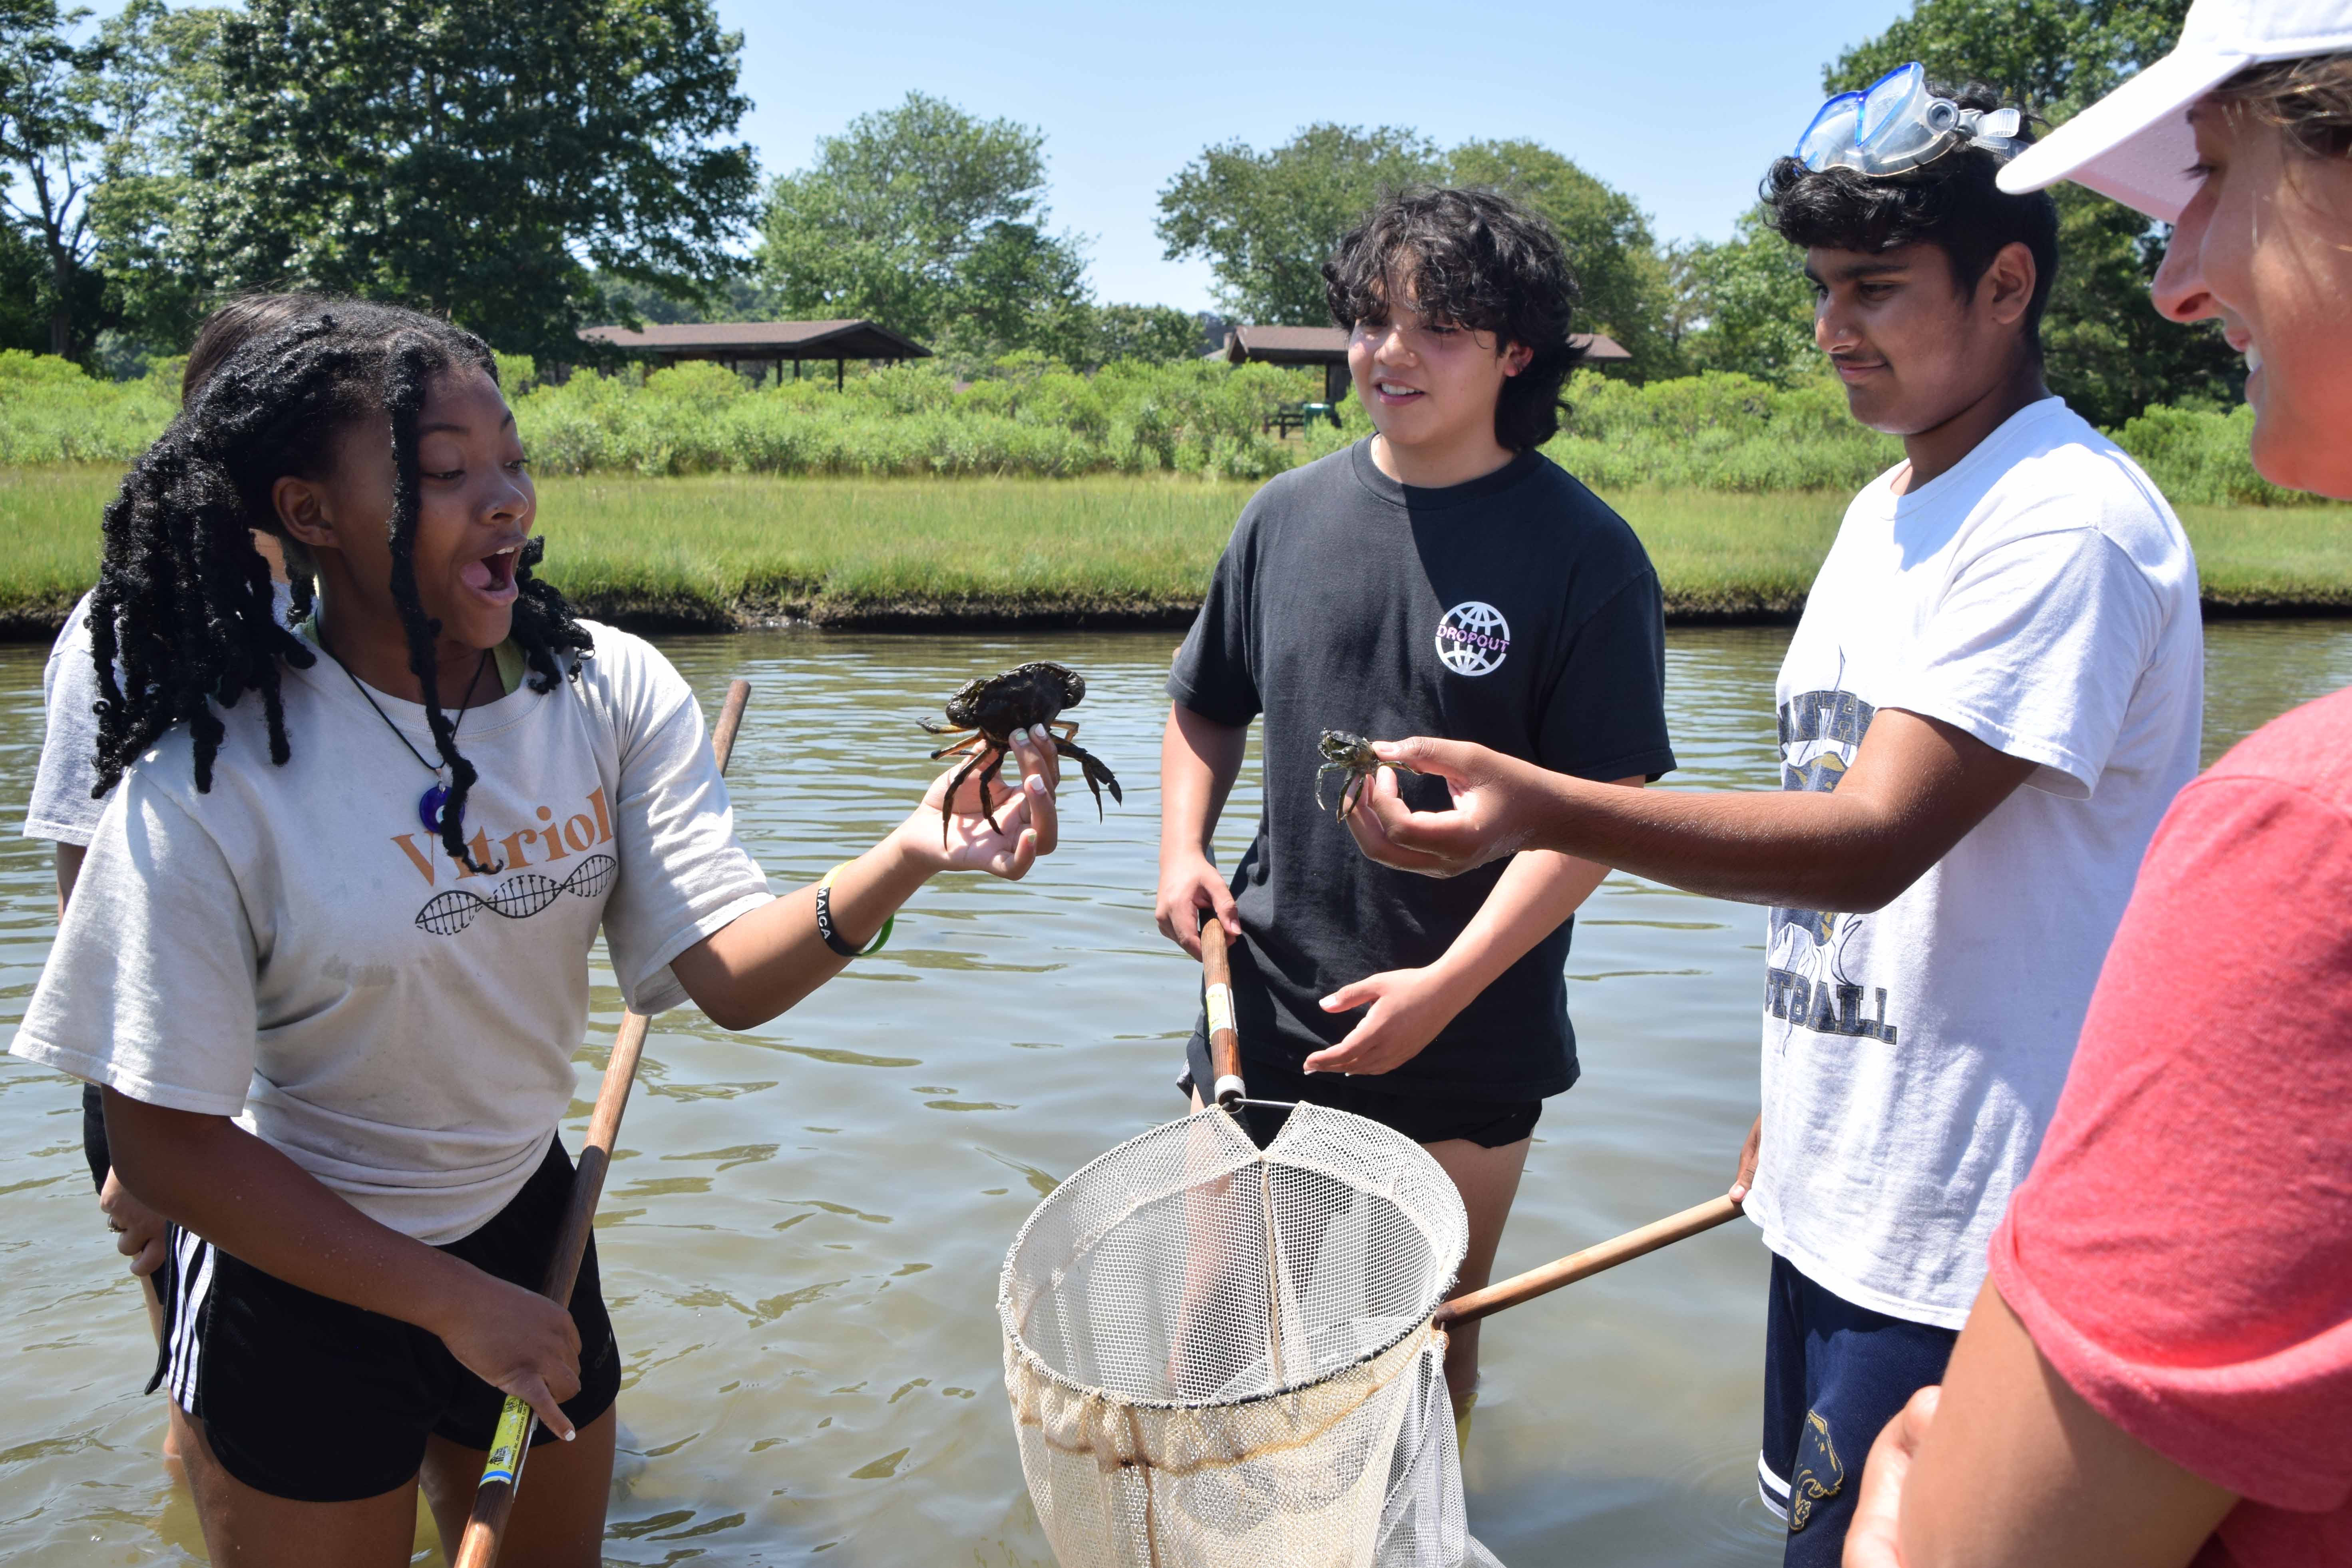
1489 1123
94 1150
318 1401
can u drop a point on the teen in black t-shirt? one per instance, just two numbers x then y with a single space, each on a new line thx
1444 578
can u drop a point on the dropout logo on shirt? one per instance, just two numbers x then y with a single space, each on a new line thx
1473 639
1805 979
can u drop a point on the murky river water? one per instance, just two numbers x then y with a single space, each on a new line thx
801 1236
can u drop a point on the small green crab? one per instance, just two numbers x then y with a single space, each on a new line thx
1352 755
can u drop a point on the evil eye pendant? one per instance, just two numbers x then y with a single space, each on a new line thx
429 805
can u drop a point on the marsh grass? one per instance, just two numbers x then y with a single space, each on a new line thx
717 550
49 541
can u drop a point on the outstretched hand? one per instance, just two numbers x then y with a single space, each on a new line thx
1491 816
1404 1011
955 836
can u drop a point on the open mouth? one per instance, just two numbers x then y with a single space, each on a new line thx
493 576
1395 392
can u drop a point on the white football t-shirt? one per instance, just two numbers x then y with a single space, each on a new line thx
293 949
2042 596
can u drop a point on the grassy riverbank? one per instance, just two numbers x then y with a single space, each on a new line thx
721 550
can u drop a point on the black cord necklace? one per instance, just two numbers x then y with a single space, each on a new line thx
437 795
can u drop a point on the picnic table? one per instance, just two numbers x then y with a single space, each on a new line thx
1289 416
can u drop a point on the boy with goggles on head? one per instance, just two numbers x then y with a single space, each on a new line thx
1993 694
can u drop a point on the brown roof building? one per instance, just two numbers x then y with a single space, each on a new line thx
758 345
1328 346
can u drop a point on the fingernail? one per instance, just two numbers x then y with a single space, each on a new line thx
1035 785
1038 731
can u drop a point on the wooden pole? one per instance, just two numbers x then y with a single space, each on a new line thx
494 1498
1576 1266
1224 1040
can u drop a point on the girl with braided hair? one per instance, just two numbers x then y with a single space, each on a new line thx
328 957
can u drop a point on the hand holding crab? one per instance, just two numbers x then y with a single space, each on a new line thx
993 710
1352 755
1000 827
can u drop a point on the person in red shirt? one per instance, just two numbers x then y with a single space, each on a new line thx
2158 1371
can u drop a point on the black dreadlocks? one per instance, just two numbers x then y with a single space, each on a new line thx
184 602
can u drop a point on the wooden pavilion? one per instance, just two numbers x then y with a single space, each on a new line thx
758 346
1328 346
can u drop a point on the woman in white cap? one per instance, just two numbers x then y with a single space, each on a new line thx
2159 1369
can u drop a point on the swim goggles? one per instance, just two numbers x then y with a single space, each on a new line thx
1897 124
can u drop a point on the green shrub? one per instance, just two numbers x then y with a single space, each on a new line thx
1031 417
2203 457
1716 431
50 412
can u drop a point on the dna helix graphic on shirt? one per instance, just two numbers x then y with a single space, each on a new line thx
518 898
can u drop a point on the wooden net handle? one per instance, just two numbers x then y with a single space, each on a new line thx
1576 1266
494 1498
1225 1041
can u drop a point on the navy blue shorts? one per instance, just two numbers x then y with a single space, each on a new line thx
1489 1123
1834 1375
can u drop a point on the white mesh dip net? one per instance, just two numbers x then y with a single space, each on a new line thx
1222 1357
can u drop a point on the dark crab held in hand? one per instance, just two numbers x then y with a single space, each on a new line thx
1352 755
993 708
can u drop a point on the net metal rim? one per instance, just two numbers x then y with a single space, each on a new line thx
1029 1357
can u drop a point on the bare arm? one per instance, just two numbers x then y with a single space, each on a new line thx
69 859
1406 1008
2072 1487
767 960
1199 760
1916 787
244 1196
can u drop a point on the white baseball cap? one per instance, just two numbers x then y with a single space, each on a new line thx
2135 144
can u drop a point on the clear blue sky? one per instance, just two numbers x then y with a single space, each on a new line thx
1680 103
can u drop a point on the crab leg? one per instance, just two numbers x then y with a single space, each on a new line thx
1320 775
987 777
947 808
1095 773
963 745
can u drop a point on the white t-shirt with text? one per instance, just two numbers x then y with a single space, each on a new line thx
2041 597
293 948
62 809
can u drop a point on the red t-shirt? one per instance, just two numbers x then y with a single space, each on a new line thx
2182 1251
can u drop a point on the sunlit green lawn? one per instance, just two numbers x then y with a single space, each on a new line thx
712 549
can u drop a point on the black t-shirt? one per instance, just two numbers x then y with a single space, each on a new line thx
1517 611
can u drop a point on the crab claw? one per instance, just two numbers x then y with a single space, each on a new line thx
1091 766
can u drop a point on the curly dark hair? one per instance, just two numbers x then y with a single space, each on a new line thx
235 322
185 607
1951 204
1471 258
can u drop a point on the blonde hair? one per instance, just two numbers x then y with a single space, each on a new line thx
2308 100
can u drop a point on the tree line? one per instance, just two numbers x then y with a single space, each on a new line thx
532 166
